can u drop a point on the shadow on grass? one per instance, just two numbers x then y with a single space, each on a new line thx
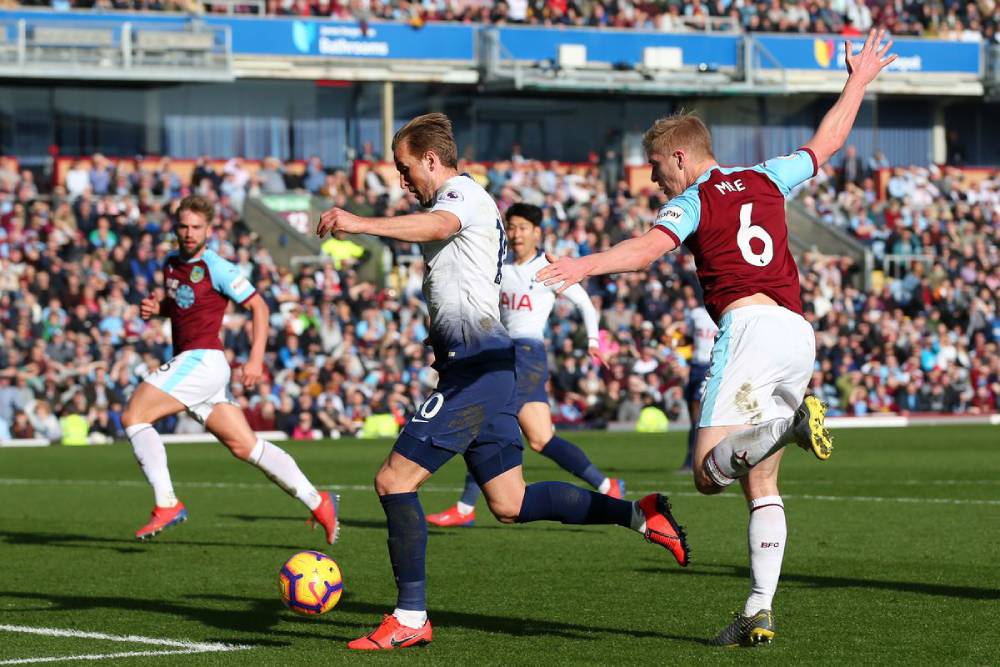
821 581
516 626
122 545
260 615
379 524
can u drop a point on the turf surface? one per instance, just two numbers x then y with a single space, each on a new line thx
892 558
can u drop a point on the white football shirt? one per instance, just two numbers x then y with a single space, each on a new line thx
462 280
525 303
703 330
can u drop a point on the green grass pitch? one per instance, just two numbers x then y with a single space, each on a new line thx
892 558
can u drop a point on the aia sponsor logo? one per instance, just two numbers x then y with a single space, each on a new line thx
515 301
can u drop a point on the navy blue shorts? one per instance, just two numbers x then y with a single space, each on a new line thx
473 413
532 371
694 390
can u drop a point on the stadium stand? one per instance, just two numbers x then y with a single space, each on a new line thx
950 20
344 353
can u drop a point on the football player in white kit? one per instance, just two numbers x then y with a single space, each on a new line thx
702 329
525 305
473 411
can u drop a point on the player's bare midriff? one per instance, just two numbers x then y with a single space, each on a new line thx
756 299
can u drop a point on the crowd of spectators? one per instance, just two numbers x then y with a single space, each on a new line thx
75 263
948 19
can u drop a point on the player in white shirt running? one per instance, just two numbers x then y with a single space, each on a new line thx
525 306
473 411
702 329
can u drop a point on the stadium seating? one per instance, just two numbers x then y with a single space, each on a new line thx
960 21
74 266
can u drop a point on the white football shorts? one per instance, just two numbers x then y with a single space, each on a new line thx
762 362
197 378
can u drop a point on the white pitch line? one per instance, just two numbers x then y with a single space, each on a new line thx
100 656
128 639
649 486
179 647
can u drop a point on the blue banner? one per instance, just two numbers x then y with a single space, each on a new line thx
340 39
283 36
296 37
828 53
615 46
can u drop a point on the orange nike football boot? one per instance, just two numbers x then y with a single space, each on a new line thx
617 489
392 635
663 529
451 518
161 519
326 516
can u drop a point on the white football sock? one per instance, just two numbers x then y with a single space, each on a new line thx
766 538
281 468
605 486
147 445
410 618
464 508
738 452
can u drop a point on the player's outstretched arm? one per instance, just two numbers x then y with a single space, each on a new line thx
862 69
414 228
253 369
630 255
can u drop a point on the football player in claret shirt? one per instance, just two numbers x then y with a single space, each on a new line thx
733 222
525 305
199 286
473 411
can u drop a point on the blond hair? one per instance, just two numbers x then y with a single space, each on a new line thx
197 204
680 130
430 132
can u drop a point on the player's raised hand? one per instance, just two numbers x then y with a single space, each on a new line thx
872 59
149 307
566 270
253 372
338 220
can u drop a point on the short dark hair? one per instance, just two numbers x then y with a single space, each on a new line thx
430 132
529 212
197 204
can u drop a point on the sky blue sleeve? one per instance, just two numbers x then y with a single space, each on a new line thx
226 278
788 171
679 216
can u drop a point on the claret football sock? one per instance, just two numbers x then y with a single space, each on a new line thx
147 445
281 469
766 534
572 459
563 502
738 452
407 528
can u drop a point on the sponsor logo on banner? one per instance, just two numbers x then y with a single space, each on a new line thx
338 40
303 36
823 49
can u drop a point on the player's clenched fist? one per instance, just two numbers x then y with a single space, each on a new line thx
150 307
339 220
